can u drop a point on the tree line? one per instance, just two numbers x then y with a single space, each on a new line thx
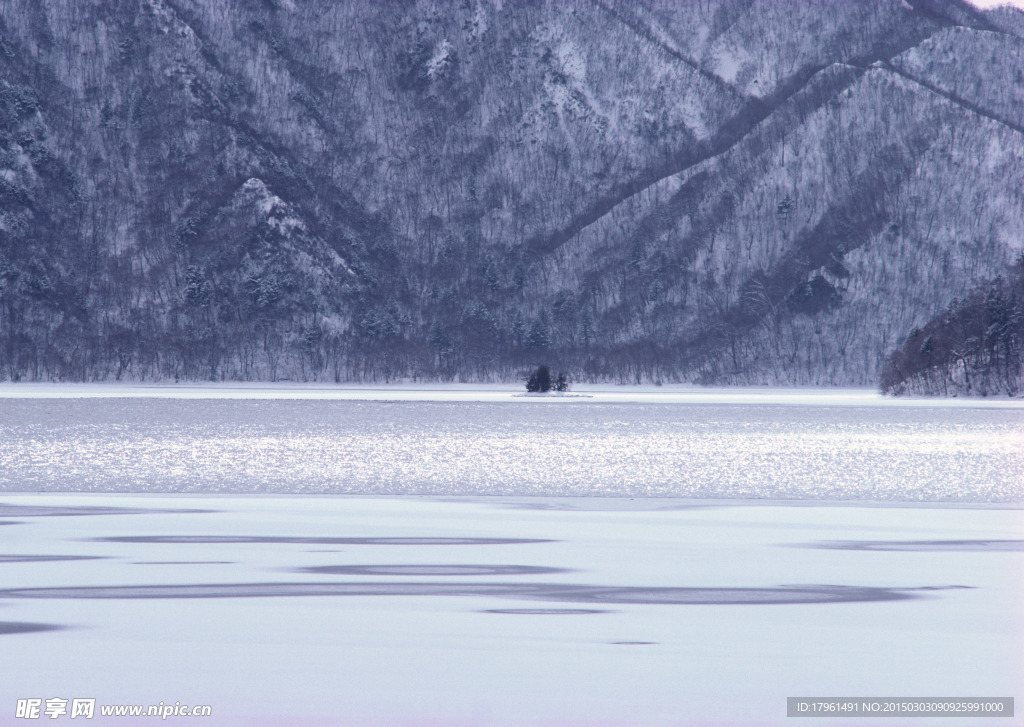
975 347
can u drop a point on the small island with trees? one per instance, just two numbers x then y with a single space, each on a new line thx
540 381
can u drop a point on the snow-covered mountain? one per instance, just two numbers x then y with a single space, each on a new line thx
745 191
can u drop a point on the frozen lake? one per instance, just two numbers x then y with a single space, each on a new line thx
654 444
452 557
283 610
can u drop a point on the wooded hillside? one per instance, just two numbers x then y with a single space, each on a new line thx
741 191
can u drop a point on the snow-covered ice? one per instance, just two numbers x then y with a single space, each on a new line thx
513 568
504 611
596 393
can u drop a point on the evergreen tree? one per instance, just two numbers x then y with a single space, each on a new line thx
540 380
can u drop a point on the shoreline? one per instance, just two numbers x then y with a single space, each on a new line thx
495 393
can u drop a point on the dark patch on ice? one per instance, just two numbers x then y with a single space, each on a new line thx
633 643
183 562
524 591
597 504
228 539
11 522
15 627
8 510
921 545
724 596
41 558
584 503
547 611
430 570
939 588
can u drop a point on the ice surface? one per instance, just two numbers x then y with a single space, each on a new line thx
759 445
696 606
517 615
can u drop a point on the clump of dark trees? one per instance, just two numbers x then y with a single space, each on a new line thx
975 347
540 381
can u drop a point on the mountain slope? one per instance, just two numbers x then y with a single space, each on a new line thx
737 191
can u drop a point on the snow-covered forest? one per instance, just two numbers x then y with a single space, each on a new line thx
739 191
